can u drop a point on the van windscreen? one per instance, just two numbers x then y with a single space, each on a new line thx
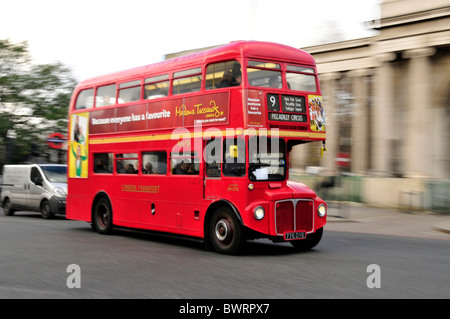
55 174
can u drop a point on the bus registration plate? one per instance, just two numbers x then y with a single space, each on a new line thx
295 235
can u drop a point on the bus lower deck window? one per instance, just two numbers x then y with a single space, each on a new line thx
127 163
103 163
154 162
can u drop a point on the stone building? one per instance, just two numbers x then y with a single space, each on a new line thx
388 96
387 100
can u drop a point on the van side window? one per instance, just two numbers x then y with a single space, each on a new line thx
35 175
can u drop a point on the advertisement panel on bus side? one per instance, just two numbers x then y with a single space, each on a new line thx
209 109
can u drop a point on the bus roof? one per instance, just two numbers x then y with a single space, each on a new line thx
255 49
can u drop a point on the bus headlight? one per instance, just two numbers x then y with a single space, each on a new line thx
259 212
321 210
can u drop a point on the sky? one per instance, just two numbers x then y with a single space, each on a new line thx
96 37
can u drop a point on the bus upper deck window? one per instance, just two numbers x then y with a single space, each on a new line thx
264 74
223 74
85 99
187 81
301 78
156 87
129 92
106 95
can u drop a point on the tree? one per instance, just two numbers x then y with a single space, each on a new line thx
34 100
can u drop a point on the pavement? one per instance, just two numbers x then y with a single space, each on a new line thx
359 218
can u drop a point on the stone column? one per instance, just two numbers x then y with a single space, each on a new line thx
417 144
360 121
328 88
382 136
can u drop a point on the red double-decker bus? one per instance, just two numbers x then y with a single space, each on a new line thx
199 146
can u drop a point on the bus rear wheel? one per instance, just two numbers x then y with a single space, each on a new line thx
226 233
102 216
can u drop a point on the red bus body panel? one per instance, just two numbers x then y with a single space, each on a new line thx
180 203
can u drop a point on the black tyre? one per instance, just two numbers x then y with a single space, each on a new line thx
102 216
226 233
309 242
45 210
7 207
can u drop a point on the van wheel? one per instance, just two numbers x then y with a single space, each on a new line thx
7 207
102 216
45 210
226 233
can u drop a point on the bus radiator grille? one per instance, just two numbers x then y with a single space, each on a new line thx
288 219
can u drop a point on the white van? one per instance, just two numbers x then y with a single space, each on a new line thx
35 187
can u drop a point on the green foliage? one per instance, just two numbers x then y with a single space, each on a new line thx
34 101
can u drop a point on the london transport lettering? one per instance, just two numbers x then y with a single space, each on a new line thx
140 188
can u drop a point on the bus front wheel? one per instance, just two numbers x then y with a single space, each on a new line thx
102 216
226 233
309 242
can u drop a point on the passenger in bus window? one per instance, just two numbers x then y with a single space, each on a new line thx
226 80
181 168
106 101
130 169
191 169
99 166
236 74
275 82
185 168
120 168
148 169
